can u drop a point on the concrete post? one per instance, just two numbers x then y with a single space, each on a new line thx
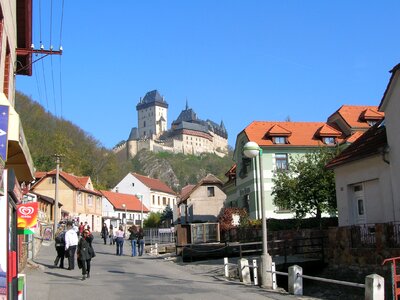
244 271
226 267
255 272
274 284
295 285
374 287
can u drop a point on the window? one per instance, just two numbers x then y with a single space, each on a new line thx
329 140
90 200
53 180
79 200
371 122
159 200
360 205
210 191
154 200
358 188
144 123
279 140
164 201
281 161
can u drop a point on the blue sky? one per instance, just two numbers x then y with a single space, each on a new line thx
235 61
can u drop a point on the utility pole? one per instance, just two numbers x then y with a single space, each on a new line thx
58 161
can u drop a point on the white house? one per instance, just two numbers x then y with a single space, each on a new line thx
156 194
367 172
122 208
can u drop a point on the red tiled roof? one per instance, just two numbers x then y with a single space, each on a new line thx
372 142
278 130
187 189
329 131
209 179
354 136
118 199
353 115
154 184
83 180
40 174
72 180
302 133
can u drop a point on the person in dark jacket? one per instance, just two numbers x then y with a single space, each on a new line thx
140 241
85 253
104 233
133 238
60 246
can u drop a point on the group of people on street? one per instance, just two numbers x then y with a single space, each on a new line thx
137 238
67 243
71 239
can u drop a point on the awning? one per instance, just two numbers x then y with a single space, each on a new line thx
18 155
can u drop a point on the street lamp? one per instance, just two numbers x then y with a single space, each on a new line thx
141 212
251 150
124 206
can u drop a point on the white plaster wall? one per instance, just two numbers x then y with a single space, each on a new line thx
125 186
378 193
392 122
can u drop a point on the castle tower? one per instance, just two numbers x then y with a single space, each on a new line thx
152 115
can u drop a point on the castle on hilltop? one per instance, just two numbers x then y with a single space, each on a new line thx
188 134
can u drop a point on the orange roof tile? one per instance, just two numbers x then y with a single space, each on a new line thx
154 184
187 189
303 133
72 180
118 199
327 130
353 115
354 136
83 180
278 130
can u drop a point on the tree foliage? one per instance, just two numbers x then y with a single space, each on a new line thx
225 217
306 187
153 220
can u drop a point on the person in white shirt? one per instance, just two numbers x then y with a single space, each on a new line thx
71 241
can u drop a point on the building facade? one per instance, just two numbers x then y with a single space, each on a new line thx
188 134
81 202
156 195
280 143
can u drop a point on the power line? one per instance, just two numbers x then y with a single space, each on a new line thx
54 91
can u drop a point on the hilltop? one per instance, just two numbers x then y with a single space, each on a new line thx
84 155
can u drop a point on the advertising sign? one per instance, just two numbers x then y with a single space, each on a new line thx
27 215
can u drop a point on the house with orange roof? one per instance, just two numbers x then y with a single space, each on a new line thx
121 208
156 195
280 142
367 173
79 198
202 202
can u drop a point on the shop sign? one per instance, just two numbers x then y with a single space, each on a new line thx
27 215
4 109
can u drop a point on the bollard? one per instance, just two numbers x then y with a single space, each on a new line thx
226 267
156 249
374 287
255 272
295 285
244 271
274 284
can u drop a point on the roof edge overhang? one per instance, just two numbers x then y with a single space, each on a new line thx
18 155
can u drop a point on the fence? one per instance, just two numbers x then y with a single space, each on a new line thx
159 235
374 284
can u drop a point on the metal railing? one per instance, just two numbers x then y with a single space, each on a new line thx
374 285
159 235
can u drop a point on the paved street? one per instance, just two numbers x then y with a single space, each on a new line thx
126 277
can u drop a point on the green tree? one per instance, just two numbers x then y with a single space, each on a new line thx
307 186
167 216
153 220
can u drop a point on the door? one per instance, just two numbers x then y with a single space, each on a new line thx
359 204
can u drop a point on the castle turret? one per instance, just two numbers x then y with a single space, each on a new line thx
152 115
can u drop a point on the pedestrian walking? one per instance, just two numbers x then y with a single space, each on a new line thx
111 235
81 227
120 240
140 241
85 253
60 246
133 238
104 233
71 241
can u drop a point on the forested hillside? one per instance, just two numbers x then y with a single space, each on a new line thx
83 155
